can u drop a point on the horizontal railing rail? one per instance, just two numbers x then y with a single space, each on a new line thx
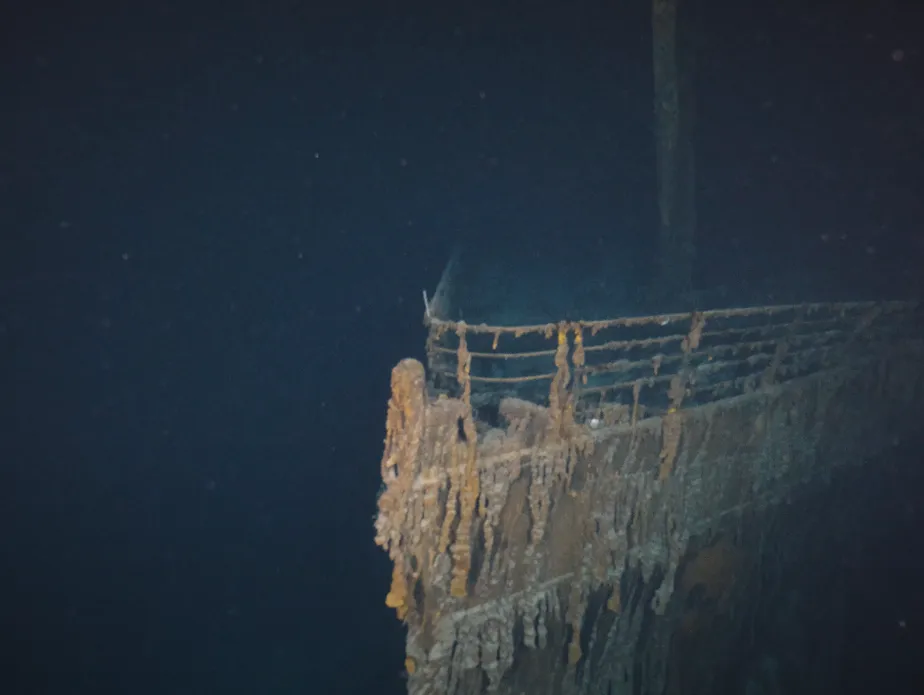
613 371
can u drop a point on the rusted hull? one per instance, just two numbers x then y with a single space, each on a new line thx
551 553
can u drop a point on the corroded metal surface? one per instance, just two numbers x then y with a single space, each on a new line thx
558 545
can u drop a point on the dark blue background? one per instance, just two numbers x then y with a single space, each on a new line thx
216 226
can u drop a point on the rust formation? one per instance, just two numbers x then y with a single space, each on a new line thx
570 507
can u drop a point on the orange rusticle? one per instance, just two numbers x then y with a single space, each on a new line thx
404 430
468 500
397 596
